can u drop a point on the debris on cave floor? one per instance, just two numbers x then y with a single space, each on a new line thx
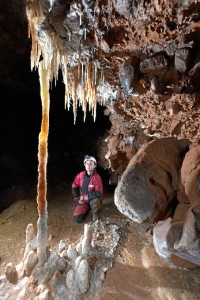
136 271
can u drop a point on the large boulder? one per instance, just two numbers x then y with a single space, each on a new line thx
177 240
181 242
151 180
190 174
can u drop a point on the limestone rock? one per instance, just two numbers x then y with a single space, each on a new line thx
178 240
72 254
11 273
122 7
87 239
189 245
151 180
70 279
159 238
153 64
61 246
182 59
126 74
190 174
30 263
54 263
83 276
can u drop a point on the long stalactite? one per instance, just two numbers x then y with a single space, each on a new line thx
42 167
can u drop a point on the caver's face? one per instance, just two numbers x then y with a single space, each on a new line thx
90 166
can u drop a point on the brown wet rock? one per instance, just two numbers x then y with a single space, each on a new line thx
181 195
151 180
154 64
190 174
11 273
180 212
182 234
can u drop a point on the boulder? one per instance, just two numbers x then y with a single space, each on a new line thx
153 64
190 174
151 180
177 240
11 273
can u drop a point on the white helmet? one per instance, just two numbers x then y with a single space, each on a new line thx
88 157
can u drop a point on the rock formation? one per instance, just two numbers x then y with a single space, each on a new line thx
75 272
180 236
139 59
151 180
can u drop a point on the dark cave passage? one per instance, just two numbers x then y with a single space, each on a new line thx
68 143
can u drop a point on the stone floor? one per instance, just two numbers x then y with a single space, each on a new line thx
138 272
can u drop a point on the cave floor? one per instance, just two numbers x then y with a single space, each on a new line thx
138 272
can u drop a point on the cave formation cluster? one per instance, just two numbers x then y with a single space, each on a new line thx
141 61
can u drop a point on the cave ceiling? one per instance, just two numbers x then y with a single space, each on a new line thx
142 56
146 55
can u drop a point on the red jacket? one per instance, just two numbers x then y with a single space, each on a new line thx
94 188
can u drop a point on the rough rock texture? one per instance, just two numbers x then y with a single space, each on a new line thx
146 56
151 180
190 174
178 239
151 59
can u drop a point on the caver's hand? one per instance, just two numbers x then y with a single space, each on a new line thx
81 201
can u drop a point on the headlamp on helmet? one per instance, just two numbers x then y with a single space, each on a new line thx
88 157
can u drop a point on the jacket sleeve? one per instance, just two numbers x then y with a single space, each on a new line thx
76 186
98 189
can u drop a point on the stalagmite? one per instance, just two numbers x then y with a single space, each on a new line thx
87 239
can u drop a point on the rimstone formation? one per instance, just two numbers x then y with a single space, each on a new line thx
141 61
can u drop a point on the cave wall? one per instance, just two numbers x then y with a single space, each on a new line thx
153 50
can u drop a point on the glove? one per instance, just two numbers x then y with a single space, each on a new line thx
85 198
76 199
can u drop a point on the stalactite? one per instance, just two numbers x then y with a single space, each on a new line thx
94 103
88 84
65 79
42 157
50 49
79 63
35 15
95 73
74 93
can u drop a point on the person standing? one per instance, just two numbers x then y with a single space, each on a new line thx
87 189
